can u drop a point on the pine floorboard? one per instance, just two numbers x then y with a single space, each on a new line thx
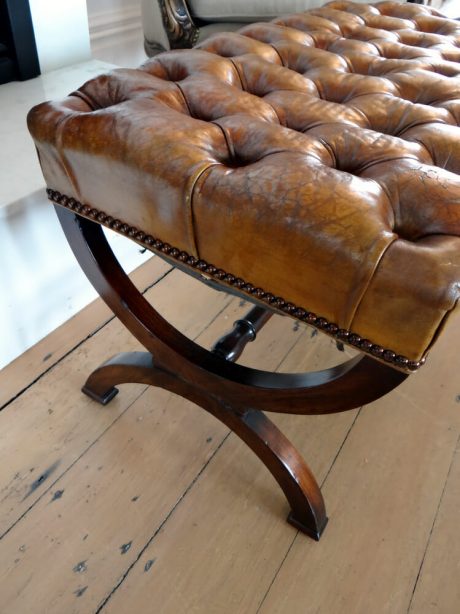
151 505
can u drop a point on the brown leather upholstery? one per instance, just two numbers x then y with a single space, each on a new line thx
315 157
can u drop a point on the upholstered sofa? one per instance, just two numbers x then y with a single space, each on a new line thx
172 24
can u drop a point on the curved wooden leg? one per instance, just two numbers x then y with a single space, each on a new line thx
276 452
308 512
235 394
284 462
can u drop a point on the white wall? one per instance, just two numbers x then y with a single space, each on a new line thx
61 32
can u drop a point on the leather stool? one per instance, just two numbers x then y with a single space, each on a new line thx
310 165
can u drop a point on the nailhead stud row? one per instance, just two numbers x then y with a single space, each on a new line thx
275 302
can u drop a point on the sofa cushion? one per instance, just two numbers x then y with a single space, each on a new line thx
244 11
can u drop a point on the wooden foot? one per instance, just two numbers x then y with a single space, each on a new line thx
124 368
304 528
104 398
234 394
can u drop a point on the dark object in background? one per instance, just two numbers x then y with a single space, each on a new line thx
18 52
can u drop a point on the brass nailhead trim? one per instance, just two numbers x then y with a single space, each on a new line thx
274 301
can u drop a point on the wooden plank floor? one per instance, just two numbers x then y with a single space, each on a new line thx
151 505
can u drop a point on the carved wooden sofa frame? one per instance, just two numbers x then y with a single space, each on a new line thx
180 28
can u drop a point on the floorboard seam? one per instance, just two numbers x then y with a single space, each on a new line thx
50 486
96 330
456 449
160 526
103 433
358 413
276 573
297 534
184 494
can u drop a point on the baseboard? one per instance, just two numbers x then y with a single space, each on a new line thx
108 27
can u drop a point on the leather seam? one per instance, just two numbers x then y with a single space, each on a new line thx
240 76
191 217
89 101
370 279
441 325
185 99
64 162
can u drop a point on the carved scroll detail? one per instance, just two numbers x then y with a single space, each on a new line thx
180 27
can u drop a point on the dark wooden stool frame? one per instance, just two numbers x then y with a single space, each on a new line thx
234 394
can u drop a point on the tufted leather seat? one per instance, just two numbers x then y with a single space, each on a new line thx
179 24
312 162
